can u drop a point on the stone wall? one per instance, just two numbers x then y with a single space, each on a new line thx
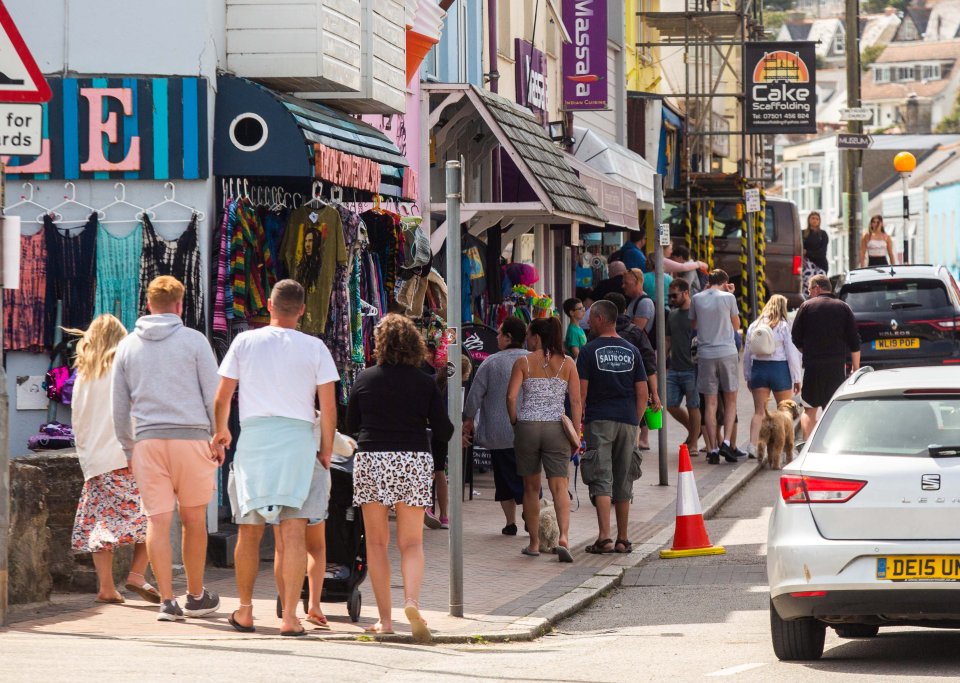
45 488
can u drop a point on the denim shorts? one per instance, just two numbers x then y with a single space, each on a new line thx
682 384
770 374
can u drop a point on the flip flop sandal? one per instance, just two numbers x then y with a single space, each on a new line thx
373 631
626 545
421 634
600 547
320 622
563 554
237 626
146 591
110 601
529 553
294 634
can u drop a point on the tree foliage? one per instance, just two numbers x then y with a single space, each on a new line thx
869 55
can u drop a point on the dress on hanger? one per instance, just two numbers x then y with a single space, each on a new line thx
71 275
313 246
118 275
23 320
179 258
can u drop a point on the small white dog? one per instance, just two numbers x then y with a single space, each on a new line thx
549 529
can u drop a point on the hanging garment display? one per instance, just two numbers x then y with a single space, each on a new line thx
313 246
71 275
23 321
118 275
179 258
386 242
252 274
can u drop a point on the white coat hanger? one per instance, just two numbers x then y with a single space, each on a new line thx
336 194
119 199
316 189
69 200
171 200
368 310
26 199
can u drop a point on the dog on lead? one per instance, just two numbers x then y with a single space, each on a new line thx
776 435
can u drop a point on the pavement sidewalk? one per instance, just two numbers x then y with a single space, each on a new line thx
507 596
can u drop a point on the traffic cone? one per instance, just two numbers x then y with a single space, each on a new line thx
690 537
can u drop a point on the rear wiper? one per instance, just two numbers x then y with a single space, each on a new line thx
904 304
937 451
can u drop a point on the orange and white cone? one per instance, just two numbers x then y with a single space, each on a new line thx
690 537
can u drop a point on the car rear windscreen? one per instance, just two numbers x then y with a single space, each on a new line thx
888 295
888 426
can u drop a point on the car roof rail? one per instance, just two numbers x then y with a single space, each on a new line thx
855 377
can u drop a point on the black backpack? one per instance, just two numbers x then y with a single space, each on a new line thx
652 334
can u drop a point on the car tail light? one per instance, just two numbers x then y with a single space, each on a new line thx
804 489
942 324
797 265
808 594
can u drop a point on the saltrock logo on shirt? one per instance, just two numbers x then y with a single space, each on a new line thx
614 359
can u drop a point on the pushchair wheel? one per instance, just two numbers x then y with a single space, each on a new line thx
354 604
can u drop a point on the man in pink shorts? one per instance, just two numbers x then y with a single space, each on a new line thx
164 382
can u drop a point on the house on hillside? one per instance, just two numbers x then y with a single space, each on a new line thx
829 34
912 85
913 26
879 29
944 22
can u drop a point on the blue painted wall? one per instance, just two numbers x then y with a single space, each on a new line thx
462 35
943 226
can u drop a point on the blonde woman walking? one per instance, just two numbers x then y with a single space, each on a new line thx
109 513
771 362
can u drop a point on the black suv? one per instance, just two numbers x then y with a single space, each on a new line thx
906 315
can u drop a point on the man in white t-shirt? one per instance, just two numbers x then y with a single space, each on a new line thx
279 473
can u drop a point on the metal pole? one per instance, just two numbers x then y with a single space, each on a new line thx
853 157
4 452
906 216
454 388
752 265
661 327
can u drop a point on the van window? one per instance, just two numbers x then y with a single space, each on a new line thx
726 225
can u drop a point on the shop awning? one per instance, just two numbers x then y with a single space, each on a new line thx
260 132
617 200
470 122
616 162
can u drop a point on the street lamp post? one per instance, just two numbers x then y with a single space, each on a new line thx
904 163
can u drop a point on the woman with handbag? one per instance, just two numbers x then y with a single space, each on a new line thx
109 513
542 440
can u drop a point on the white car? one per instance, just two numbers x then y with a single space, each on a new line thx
866 530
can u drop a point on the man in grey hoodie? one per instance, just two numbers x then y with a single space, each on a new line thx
164 382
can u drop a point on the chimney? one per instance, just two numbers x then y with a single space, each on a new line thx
919 116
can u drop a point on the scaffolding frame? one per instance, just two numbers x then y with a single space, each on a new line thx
713 35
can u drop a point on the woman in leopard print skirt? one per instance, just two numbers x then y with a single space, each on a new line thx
390 409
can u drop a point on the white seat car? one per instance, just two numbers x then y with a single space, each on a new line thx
866 530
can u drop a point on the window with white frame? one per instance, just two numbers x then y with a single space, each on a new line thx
840 43
881 74
813 187
905 74
930 72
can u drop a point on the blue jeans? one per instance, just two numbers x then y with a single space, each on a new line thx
680 384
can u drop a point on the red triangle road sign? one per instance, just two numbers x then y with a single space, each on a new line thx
20 77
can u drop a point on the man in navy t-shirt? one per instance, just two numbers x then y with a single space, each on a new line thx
613 385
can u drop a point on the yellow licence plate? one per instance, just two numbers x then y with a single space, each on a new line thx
894 344
919 568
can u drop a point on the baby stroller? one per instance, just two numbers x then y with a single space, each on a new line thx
346 546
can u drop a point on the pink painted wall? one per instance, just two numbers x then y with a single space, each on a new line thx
404 129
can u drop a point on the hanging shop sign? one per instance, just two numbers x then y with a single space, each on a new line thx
531 76
585 57
123 128
479 342
781 92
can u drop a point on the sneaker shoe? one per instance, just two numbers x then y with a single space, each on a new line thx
713 457
444 522
509 530
431 520
207 603
170 611
731 453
